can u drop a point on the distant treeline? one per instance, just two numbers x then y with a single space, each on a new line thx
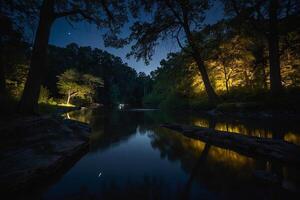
119 82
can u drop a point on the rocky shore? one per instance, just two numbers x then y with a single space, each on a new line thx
36 150
266 148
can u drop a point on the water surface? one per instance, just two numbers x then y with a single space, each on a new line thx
131 157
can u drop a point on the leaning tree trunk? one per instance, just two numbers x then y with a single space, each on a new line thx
212 96
273 43
69 97
29 100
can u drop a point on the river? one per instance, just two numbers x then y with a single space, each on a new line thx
131 157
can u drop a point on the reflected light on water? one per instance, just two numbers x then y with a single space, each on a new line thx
219 155
249 131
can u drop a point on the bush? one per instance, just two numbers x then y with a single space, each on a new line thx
174 102
244 94
200 103
244 106
152 100
44 95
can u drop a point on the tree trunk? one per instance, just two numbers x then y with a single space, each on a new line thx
265 84
69 97
227 86
212 96
2 79
29 100
274 57
226 78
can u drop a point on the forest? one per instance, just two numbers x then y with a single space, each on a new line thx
83 118
250 56
78 76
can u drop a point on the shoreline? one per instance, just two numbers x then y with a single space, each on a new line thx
37 149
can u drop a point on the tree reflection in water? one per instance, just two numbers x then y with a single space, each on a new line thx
221 171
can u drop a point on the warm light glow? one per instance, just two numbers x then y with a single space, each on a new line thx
292 137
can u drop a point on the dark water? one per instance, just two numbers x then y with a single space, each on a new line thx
131 157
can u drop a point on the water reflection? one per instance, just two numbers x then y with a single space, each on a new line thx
285 130
139 160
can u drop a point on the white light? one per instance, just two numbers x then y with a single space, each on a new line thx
121 106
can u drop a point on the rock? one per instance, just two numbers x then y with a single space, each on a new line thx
268 148
38 149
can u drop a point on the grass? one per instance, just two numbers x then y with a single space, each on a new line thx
51 108
8 106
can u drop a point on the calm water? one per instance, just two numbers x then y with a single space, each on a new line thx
131 157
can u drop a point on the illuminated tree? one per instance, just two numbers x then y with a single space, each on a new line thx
233 62
272 19
105 14
72 84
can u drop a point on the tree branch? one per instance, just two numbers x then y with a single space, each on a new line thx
176 15
66 13
75 12
179 43
106 10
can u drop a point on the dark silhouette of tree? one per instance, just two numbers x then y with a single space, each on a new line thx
105 14
172 19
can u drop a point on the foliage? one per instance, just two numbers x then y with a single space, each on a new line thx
122 84
234 53
177 20
72 84
44 95
15 79
237 73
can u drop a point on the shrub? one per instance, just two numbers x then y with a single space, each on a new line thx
174 102
44 95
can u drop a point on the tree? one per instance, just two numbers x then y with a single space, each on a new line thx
273 19
232 60
172 19
12 48
105 14
72 84
117 76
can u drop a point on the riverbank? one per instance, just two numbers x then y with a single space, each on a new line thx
267 148
252 104
246 110
36 149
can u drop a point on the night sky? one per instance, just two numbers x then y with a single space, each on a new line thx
85 34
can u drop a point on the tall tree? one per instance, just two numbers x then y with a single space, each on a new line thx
105 14
272 18
176 19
